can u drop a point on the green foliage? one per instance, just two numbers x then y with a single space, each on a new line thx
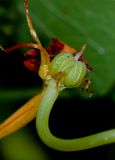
21 146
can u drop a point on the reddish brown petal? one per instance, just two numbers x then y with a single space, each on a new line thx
69 49
32 52
32 60
31 64
58 46
19 46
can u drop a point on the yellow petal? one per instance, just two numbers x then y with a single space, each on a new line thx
21 117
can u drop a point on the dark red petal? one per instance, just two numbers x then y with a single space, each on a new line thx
32 52
32 64
32 60
56 47
19 46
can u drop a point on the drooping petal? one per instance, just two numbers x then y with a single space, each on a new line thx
21 117
19 46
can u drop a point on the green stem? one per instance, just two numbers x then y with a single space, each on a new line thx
42 124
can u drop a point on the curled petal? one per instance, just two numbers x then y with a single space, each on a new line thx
19 46
44 55
30 25
32 60
32 64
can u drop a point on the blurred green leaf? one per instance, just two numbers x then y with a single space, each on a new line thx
11 100
21 146
17 94
9 15
113 94
76 22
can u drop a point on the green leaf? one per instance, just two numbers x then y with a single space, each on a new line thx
76 22
21 146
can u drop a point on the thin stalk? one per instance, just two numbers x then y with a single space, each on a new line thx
42 125
18 46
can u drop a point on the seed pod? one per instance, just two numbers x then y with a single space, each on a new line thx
74 71
75 74
61 63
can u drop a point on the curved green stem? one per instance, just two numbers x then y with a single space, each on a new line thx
42 124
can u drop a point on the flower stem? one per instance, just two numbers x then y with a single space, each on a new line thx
42 125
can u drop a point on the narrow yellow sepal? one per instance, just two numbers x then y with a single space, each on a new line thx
21 117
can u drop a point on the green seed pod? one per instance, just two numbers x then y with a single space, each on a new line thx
75 74
61 63
74 71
